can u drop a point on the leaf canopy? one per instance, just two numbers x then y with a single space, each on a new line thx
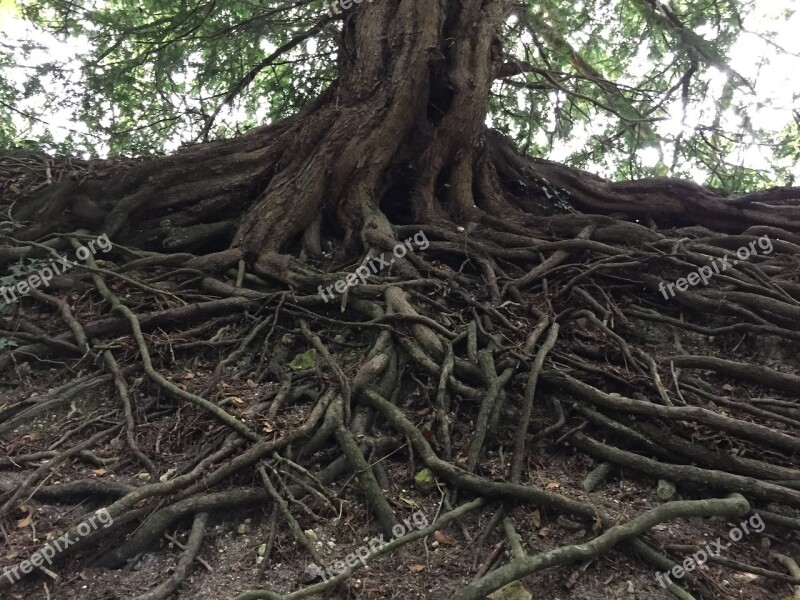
624 88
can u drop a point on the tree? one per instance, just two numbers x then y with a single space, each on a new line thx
531 294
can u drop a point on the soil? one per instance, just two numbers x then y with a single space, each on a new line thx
421 569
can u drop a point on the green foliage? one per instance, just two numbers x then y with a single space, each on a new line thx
22 270
8 132
152 72
626 88
625 80
7 343
304 361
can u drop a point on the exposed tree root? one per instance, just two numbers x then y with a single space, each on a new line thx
165 588
348 572
735 506
502 337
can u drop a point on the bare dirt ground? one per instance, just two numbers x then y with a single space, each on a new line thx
428 568
176 435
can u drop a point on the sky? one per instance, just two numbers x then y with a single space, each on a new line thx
755 56
59 120
775 75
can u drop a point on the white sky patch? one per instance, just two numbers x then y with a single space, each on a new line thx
650 156
267 47
758 56
59 121
522 100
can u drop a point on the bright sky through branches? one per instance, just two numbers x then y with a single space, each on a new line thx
767 54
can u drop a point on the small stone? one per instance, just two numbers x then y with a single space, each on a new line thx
306 360
512 591
310 574
666 491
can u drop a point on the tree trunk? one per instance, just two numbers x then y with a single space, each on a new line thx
399 138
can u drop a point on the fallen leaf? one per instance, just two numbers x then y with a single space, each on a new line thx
25 522
442 538
416 568
408 501
597 525
99 472
572 580
553 485
536 517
